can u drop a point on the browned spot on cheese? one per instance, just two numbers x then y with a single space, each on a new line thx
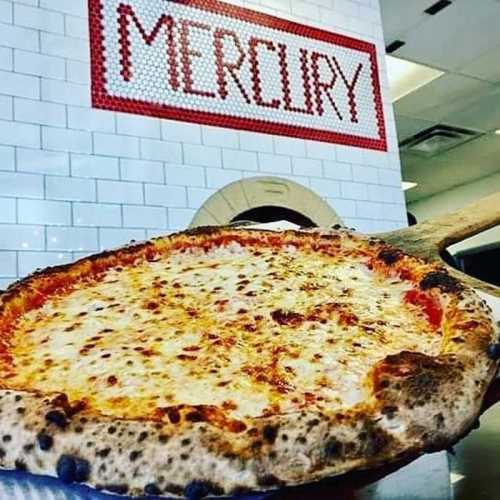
186 357
287 317
149 352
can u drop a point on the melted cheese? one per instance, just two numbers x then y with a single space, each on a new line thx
253 334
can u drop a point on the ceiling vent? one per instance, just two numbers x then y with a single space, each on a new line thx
437 7
437 139
392 47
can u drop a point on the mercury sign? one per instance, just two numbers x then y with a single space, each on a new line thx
213 63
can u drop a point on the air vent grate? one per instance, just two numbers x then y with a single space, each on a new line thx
392 47
438 7
437 139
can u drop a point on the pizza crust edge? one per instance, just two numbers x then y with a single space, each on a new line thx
437 401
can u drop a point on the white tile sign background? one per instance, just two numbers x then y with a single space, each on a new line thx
75 179
206 61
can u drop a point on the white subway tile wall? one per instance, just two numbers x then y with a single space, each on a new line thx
75 180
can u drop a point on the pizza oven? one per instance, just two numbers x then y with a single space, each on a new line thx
266 199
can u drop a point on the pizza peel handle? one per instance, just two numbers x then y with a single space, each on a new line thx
429 238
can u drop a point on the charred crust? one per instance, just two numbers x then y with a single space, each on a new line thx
269 480
375 439
134 455
494 351
256 445
442 280
269 433
312 423
240 490
45 441
173 415
103 453
152 489
72 469
82 471
389 411
413 378
20 465
194 416
66 468
333 448
202 231
57 418
390 255
439 420
119 489
200 489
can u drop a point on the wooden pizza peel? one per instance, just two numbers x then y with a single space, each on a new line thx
430 238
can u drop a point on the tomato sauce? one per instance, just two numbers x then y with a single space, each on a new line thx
432 309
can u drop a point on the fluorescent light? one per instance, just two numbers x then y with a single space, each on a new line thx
405 76
455 477
408 185
497 131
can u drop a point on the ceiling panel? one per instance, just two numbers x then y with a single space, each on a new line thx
486 67
448 94
480 156
401 15
464 41
483 114
476 159
432 176
456 36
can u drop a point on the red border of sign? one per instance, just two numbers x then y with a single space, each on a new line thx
101 99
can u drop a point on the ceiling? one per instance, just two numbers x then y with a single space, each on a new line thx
463 40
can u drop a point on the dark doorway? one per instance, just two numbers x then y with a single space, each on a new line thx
481 262
412 220
269 213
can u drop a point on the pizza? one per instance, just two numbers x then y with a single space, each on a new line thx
222 360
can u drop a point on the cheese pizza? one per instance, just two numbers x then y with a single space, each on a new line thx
222 360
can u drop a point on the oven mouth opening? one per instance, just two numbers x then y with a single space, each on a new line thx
271 213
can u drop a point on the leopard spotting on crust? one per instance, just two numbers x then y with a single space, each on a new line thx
412 402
